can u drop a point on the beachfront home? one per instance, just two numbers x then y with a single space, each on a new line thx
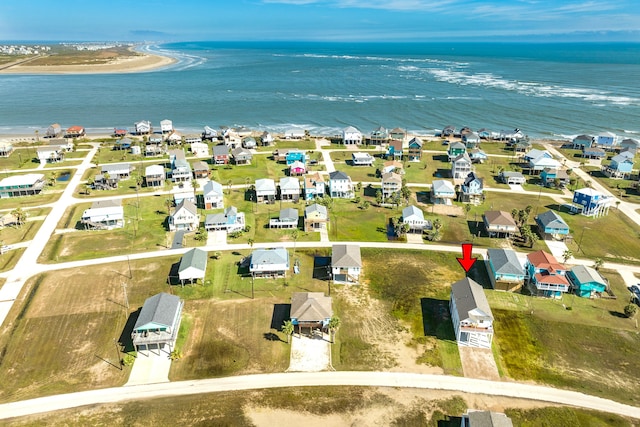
288 218
266 139
586 282
590 202
200 170
379 136
485 133
21 185
230 220
551 225
123 144
220 154
539 160
166 126
512 178
547 277
74 132
209 133
499 223
471 315
289 188
346 263
158 323
196 139
311 310
142 127
315 217
295 134
391 184
606 140
213 195
581 142
362 159
395 149
473 418
521 146
456 149
448 131
415 149
505 269
53 131
398 134
174 138
193 266
180 167
630 144
297 168
241 156
472 189
442 192
119 133
119 171
184 217
265 190
470 139
351 135
340 185
270 263
620 167
6 148
314 186
154 176
461 167
103 215
414 218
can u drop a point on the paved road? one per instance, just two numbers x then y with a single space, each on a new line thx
371 379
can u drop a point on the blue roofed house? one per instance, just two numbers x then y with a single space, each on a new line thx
590 202
477 155
295 156
472 189
620 167
158 323
550 224
505 269
471 315
230 220
586 281
606 140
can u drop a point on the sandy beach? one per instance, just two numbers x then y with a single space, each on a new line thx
132 64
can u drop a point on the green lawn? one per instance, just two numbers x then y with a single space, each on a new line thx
303 144
624 189
11 235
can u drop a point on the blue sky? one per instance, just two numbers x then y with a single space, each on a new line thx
331 20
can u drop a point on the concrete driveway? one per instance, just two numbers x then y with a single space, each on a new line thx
150 368
557 249
310 354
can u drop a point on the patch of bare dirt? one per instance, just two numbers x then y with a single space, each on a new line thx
478 363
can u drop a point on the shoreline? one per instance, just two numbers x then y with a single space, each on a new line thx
143 62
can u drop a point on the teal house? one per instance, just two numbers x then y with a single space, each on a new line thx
586 281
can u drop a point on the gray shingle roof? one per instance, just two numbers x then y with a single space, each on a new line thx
194 258
410 211
489 419
469 295
338 175
288 214
160 309
316 208
269 256
586 274
505 261
311 306
346 256
552 220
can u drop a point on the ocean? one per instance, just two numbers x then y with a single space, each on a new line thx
551 91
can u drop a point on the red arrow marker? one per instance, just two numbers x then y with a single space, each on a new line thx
466 261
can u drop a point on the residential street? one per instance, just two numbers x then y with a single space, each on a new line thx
306 379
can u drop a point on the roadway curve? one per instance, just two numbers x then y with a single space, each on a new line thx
346 378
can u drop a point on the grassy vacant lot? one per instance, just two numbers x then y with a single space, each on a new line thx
625 189
62 55
59 337
302 144
146 234
10 259
11 235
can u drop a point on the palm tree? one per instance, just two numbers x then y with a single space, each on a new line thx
20 216
630 310
333 325
566 255
229 182
287 328
598 263
467 208
295 233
